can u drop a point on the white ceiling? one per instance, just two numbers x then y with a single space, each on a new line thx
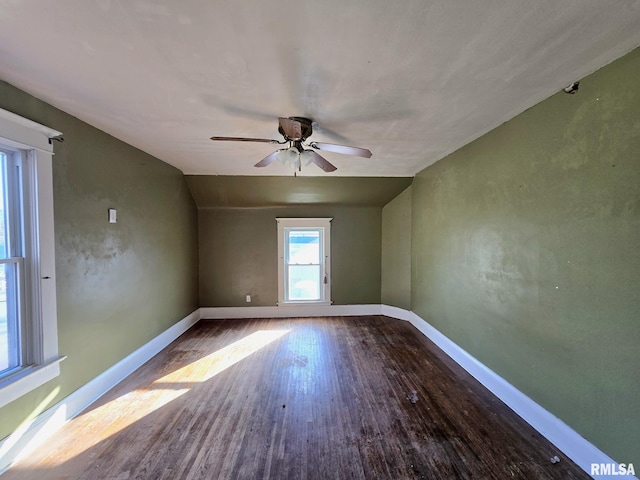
412 80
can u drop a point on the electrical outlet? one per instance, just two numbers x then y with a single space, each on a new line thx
112 215
248 298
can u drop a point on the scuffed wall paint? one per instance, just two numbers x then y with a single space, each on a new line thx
238 254
118 285
525 253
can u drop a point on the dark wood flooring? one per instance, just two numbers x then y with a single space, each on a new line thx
305 398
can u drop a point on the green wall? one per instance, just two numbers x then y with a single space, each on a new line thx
238 254
526 253
396 251
118 285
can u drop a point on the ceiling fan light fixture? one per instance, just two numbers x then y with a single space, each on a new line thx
306 157
289 156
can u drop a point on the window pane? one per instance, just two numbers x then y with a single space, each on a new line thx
9 294
304 246
9 324
3 203
304 282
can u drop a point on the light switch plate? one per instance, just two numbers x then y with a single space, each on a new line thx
112 215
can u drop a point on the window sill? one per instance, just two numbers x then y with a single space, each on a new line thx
27 379
300 304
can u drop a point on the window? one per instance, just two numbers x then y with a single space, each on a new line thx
28 320
303 261
11 262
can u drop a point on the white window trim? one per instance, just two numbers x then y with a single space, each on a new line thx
24 134
324 223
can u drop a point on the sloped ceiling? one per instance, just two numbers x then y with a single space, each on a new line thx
210 191
411 80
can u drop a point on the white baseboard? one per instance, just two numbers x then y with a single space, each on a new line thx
285 311
31 434
570 442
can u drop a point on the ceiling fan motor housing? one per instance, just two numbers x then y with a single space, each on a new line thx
305 128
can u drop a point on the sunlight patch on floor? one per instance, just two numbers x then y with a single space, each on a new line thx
102 422
208 367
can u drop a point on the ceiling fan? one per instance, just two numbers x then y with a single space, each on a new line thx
295 131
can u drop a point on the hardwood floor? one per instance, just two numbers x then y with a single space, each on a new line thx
306 398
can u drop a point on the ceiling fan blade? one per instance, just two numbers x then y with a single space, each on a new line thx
321 162
345 150
243 139
267 160
292 128
332 134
